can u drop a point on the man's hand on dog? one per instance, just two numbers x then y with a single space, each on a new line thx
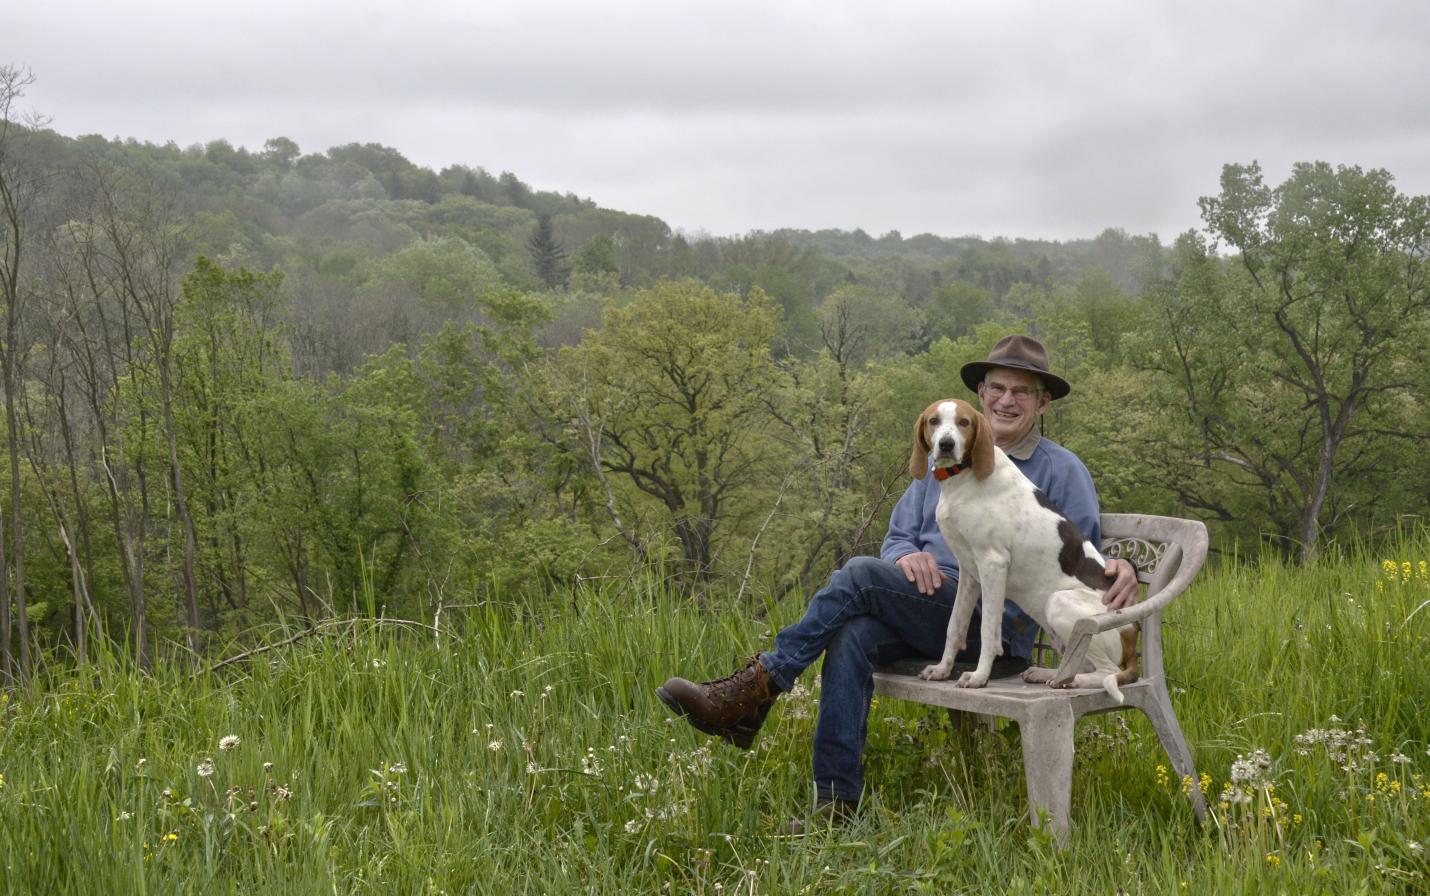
921 569
1122 592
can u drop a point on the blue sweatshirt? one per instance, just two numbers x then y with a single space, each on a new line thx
1051 467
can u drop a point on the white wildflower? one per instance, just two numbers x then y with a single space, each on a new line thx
494 746
632 826
228 743
206 768
1253 770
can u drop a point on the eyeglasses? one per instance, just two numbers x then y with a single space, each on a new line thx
1020 393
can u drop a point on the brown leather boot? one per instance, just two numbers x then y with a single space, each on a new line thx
732 708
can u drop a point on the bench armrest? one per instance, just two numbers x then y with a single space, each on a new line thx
1186 563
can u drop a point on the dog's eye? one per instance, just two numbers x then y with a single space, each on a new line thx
933 421
963 424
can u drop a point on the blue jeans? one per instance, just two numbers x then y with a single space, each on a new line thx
868 615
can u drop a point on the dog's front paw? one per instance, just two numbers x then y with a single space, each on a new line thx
937 672
973 679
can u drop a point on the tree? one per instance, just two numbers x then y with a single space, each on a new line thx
667 397
598 256
23 178
548 256
227 351
281 151
1297 354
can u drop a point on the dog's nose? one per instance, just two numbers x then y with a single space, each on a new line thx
945 445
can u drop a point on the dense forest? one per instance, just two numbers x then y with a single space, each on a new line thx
249 387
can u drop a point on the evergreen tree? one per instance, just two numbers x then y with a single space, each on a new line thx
548 256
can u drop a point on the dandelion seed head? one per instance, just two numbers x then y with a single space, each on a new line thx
228 743
494 746
206 768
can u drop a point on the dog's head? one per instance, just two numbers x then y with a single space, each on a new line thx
954 434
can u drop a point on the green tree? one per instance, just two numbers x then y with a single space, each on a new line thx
667 397
22 176
229 348
548 256
1298 354
597 256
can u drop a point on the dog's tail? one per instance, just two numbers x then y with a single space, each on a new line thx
1131 665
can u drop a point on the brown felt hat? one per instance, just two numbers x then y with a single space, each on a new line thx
1017 353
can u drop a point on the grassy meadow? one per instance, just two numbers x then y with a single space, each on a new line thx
522 750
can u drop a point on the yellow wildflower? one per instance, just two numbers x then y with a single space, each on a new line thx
1405 571
1161 776
1296 819
1206 783
1382 781
1273 859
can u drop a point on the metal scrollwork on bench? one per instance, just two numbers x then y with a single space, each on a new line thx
1146 555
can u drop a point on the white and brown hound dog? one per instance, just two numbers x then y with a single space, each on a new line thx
1011 540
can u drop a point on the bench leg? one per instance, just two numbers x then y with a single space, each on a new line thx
1164 721
967 723
1047 736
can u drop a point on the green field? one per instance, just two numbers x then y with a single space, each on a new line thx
522 750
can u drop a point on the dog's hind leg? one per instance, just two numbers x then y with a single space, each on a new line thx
1039 674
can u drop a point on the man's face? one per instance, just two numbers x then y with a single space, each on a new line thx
1012 400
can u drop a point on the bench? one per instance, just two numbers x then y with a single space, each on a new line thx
1167 552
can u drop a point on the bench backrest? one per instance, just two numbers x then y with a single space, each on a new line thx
1167 552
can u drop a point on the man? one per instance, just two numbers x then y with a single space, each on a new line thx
878 610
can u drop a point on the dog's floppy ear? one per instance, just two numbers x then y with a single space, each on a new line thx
919 460
981 452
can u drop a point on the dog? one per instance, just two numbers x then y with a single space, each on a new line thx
1010 539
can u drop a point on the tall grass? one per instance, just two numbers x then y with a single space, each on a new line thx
525 753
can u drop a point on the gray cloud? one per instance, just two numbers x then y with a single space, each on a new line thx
1029 119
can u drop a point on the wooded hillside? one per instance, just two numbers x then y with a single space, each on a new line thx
250 386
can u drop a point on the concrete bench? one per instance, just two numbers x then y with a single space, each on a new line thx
1168 552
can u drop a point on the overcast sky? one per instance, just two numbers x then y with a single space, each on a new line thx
1020 119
